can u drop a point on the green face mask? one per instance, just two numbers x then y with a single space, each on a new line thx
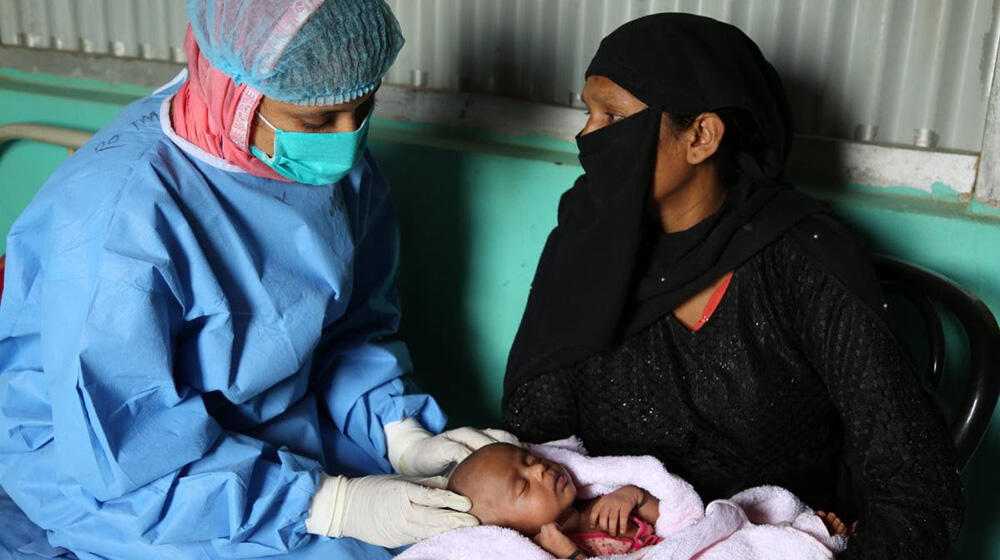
314 158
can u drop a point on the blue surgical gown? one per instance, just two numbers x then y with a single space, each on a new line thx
184 347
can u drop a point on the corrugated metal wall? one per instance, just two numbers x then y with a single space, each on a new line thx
150 29
914 72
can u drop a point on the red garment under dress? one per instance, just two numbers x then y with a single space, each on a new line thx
599 543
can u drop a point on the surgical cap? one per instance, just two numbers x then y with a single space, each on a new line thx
305 52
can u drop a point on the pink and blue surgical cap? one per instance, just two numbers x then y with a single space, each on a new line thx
305 52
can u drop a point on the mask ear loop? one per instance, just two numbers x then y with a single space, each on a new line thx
267 122
274 128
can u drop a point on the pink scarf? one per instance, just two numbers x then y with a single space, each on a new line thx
215 114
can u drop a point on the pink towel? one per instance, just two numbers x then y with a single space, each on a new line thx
760 523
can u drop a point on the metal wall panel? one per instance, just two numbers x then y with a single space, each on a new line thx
913 72
149 29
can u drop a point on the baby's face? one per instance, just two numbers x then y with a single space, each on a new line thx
510 487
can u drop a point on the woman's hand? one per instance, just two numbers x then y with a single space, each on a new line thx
611 511
552 539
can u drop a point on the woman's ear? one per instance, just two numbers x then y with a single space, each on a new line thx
704 137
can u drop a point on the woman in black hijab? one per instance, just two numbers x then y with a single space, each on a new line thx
692 306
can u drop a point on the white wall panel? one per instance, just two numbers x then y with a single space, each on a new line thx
913 72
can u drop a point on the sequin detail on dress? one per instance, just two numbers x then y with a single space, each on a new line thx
792 377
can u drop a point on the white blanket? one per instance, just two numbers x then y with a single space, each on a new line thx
760 523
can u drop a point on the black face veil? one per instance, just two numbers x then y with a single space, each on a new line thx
605 273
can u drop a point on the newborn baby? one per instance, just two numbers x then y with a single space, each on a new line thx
510 487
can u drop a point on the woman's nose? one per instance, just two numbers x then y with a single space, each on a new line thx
347 121
537 470
589 127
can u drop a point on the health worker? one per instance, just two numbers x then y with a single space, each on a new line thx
196 333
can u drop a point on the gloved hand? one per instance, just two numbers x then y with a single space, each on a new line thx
413 451
386 510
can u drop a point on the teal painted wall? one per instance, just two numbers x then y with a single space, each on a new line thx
474 212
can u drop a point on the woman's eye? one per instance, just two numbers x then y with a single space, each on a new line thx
313 127
614 117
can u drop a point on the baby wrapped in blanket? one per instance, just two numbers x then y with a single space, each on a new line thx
574 506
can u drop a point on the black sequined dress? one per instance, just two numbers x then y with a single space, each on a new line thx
792 382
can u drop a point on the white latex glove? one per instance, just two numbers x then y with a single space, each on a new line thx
413 451
385 510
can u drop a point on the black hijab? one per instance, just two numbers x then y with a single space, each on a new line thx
606 271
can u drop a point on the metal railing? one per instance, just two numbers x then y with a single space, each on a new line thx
68 138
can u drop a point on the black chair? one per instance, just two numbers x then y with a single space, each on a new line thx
923 288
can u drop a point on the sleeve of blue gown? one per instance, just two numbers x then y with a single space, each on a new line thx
97 441
362 381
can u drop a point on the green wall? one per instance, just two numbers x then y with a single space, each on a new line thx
474 212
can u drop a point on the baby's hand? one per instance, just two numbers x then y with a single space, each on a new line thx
835 526
554 541
611 511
